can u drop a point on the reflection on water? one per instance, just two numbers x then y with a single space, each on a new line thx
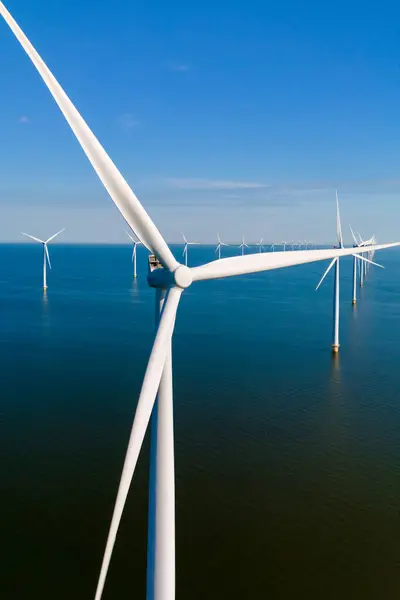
335 368
134 289
45 309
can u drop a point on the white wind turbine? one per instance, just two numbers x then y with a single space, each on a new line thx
273 245
357 259
219 246
361 265
169 279
46 255
284 245
185 248
335 262
243 245
135 244
260 245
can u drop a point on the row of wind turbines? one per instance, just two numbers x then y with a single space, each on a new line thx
170 279
136 242
260 245
220 244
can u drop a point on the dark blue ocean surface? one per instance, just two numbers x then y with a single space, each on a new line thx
287 461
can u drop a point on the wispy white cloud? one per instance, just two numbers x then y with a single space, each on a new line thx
23 120
213 184
178 68
128 121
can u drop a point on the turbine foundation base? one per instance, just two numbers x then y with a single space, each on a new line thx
335 348
353 302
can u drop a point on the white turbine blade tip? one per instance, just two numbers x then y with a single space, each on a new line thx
47 254
368 261
119 190
55 235
33 238
353 236
326 273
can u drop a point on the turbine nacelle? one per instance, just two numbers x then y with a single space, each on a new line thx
161 278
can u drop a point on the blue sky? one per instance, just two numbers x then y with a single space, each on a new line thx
241 117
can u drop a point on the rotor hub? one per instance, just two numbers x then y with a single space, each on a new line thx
183 276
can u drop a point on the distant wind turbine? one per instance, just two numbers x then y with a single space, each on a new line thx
186 246
243 245
335 262
361 265
135 243
284 245
260 245
219 246
362 260
46 254
273 246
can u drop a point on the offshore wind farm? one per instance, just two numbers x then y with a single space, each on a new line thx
227 449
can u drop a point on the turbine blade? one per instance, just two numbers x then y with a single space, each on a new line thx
326 273
129 236
115 184
144 408
133 252
353 236
33 237
338 223
55 235
184 239
47 254
254 263
370 261
369 242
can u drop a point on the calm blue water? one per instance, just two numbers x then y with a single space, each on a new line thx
287 461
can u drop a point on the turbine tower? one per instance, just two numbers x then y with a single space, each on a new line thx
219 246
46 255
185 248
169 278
135 243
